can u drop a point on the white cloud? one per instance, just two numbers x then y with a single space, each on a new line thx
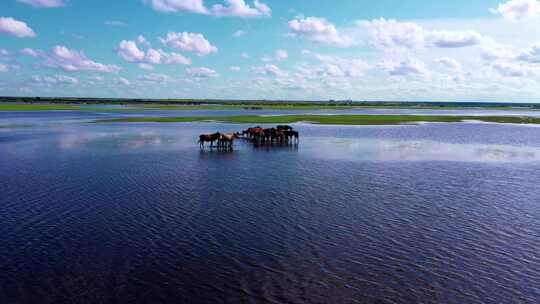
449 63
31 52
239 8
69 60
270 69
3 68
384 34
334 66
496 51
122 81
175 58
16 28
145 66
513 70
239 33
189 42
319 30
235 68
171 6
202 72
55 80
115 23
281 55
130 52
156 78
390 33
43 3
4 53
531 54
244 55
232 8
454 39
518 10
407 67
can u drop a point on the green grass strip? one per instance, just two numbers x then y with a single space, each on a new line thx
331 119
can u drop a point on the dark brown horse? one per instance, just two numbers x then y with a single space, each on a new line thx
291 135
284 128
211 138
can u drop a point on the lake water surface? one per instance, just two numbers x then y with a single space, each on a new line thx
109 213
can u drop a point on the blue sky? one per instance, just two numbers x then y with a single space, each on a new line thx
270 49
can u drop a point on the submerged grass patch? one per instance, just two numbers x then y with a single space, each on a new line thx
332 119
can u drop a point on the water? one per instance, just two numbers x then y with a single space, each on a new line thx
108 213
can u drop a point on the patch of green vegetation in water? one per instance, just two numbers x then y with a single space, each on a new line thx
333 119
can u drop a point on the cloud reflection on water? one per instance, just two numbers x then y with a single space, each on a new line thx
386 150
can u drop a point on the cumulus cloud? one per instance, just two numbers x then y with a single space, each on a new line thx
130 52
239 8
171 6
202 72
43 3
31 52
518 10
69 60
189 42
319 30
448 63
16 28
390 33
231 8
405 68
234 68
270 69
384 34
3 68
531 54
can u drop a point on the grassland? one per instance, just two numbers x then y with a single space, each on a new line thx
331 119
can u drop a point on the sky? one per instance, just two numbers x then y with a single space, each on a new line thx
386 50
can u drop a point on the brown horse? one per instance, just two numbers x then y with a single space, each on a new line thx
211 138
227 140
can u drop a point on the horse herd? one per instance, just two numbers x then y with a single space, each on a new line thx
280 134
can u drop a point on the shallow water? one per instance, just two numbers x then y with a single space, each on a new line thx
107 213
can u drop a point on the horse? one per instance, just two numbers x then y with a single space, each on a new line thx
208 138
284 128
227 140
256 134
291 134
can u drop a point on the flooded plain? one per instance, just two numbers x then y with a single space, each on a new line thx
107 213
